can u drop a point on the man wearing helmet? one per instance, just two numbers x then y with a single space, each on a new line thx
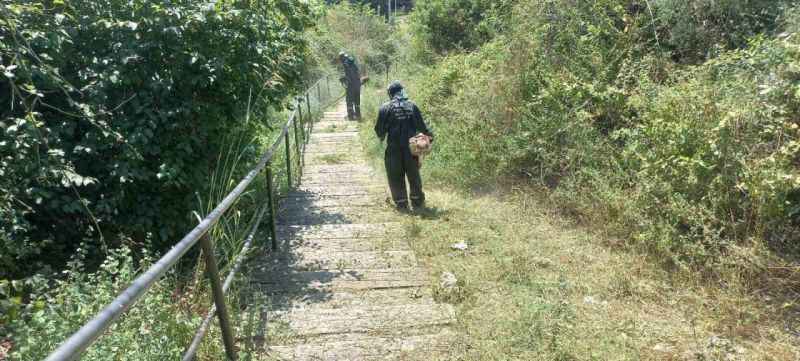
352 82
399 120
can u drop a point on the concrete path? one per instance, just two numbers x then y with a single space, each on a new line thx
345 285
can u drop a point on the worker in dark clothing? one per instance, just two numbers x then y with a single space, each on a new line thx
398 121
352 82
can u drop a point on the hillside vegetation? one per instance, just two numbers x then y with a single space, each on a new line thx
117 110
672 125
123 122
623 174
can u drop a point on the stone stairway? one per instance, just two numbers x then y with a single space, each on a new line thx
344 284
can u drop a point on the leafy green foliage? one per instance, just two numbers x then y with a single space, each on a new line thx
445 25
158 328
115 110
715 154
355 29
696 163
695 30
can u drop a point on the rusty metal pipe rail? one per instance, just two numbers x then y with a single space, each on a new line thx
81 340
201 332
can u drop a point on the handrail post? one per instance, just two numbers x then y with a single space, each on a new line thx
288 159
308 106
319 96
219 297
328 84
299 108
297 149
310 119
272 228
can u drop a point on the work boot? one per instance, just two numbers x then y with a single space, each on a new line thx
402 207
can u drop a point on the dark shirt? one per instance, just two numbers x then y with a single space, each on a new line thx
398 121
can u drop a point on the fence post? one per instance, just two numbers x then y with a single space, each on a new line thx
272 228
288 158
219 297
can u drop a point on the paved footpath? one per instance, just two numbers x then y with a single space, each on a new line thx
345 285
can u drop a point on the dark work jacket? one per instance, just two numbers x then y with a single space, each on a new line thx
398 121
351 71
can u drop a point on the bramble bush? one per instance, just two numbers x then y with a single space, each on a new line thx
689 153
116 110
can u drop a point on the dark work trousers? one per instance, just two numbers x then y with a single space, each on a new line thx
399 165
353 99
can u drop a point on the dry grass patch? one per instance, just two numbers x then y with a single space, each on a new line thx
533 287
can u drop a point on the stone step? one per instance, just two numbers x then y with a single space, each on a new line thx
328 206
337 189
339 181
366 319
366 347
338 134
348 244
328 178
351 298
330 125
313 170
334 151
374 192
315 259
337 231
336 216
331 158
344 163
290 281
336 122
315 201
337 210
364 190
344 142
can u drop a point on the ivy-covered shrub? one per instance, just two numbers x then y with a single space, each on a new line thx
114 110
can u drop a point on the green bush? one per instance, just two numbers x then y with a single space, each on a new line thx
355 29
695 30
447 25
115 111
158 328
715 153
695 163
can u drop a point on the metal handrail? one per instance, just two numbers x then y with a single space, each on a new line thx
76 344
